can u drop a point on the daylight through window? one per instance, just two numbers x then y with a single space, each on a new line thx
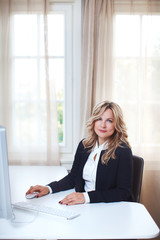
28 73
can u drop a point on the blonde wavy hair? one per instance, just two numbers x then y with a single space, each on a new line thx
120 134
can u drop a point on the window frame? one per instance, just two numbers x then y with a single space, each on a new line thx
66 146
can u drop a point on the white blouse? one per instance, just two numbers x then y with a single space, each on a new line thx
90 169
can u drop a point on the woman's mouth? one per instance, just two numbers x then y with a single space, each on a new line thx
102 131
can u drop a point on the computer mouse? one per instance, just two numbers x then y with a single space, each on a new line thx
31 195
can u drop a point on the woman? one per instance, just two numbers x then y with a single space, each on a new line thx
102 168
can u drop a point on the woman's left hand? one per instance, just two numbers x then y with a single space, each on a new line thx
73 198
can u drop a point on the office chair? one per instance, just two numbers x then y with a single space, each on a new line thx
138 164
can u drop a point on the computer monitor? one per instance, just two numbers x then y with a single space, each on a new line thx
5 196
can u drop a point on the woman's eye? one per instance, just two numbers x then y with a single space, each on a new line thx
109 120
99 119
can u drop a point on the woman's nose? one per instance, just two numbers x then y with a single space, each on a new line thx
103 124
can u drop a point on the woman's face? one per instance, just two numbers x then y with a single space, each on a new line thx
104 126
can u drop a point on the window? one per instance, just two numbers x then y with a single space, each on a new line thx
28 69
137 71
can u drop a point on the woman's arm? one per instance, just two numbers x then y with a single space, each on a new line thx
68 182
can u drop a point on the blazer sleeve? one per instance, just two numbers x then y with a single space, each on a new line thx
122 189
68 182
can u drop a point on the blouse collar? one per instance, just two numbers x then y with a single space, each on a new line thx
101 147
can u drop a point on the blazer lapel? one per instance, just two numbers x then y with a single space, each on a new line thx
101 170
85 156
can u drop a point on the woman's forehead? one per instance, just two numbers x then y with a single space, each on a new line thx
108 113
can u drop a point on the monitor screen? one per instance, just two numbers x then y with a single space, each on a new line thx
5 197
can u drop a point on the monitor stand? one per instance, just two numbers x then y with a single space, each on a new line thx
21 216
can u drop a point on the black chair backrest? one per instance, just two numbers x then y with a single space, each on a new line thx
138 165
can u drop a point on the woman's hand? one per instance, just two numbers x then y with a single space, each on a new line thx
43 190
73 198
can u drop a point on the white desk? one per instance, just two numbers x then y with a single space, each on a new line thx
123 220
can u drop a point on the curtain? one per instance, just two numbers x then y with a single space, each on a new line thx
97 60
28 106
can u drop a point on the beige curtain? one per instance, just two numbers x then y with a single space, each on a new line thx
97 56
36 112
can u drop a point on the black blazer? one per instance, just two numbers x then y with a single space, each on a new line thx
113 181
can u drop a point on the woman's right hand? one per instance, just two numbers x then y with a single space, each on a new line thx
43 190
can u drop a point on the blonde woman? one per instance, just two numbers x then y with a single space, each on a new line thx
102 168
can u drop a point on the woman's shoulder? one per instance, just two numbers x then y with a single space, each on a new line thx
123 148
82 148
80 145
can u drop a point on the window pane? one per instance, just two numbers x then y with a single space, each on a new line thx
30 123
60 122
25 79
132 121
151 35
56 67
56 38
56 75
126 78
151 114
127 35
25 35
152 83
26 123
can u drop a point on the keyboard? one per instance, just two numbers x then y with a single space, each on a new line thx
48 210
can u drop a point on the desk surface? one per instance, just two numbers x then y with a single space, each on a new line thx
123 220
